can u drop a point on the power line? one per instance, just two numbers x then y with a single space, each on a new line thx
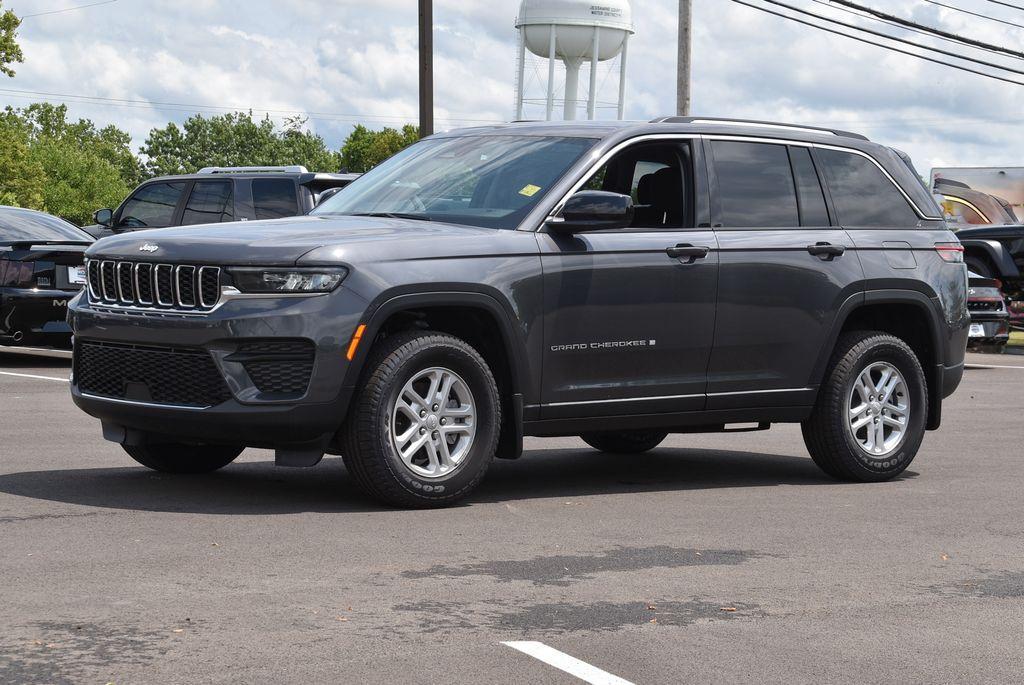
973 14
181 106
884 47
895 38
929 29
67 9
1007 4
887 22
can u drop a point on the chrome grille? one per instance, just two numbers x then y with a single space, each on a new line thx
174 287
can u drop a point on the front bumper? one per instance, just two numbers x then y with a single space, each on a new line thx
249 416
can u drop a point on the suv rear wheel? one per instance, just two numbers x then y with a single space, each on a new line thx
424 428
624 442
869 420
181 458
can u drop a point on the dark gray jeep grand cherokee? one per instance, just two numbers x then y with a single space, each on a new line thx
616 281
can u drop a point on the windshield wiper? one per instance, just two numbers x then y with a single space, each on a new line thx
394 215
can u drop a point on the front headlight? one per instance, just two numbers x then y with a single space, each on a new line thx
271 280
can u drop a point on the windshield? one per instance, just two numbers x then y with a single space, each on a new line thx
19 225
489 181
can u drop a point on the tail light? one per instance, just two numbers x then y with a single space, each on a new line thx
950 252
16 274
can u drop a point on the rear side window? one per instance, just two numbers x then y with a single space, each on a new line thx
209 203
755 185
274 198
152 206
863 196
813 211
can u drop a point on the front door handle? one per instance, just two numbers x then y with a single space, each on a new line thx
826 251
686 252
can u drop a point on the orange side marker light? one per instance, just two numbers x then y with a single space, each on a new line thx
354 345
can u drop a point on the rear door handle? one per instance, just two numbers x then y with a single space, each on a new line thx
826 251
686 252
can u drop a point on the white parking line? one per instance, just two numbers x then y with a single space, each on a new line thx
991 366
569 664
30 375
37 351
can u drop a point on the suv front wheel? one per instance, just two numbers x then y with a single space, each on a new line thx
424 428
869 420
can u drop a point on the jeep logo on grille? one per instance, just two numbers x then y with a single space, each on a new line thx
149 247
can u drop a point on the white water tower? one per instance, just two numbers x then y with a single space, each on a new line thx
573 32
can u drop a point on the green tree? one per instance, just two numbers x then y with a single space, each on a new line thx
234 140
9 50
365 149
63 167
22 178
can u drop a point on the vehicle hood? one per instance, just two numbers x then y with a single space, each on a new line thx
283 242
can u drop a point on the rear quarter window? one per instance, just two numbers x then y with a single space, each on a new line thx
274 198
862 195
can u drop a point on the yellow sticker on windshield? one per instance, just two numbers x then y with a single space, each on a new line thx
529 190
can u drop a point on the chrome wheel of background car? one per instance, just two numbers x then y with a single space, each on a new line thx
879 409
432 422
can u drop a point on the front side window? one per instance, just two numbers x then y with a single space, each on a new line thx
492 181
755 185
209 203
658 178
863 196
274 198
152 206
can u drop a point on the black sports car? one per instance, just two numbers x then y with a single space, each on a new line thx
41 268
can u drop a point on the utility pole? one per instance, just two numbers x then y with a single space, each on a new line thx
683 65
426 68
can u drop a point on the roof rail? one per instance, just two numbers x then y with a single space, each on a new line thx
291 169
756 123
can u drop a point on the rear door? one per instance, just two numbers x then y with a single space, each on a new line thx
784 272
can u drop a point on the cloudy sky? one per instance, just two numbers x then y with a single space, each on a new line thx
141 63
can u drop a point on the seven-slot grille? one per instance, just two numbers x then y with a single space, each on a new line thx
160 286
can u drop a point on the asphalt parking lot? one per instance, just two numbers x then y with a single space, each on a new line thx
720 558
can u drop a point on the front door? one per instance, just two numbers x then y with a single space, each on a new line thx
629 313
785 269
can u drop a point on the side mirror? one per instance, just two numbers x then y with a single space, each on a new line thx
104 217
593 210
327 195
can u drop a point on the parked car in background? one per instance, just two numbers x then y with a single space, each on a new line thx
992 235
990 319
965 206
41 268
218 194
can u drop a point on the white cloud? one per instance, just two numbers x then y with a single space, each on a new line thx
346 62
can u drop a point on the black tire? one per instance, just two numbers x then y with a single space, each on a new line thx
368 450
980 266
827 433
181 458
624 442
